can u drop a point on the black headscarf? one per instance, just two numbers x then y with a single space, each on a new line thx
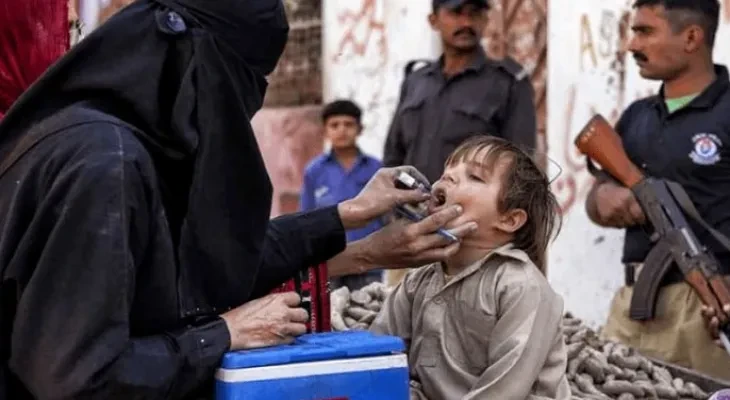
188 75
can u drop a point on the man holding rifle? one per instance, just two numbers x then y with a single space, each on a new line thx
680 135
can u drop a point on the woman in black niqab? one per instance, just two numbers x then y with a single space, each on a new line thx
188 82
184 77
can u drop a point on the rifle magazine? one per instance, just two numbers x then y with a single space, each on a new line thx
646 289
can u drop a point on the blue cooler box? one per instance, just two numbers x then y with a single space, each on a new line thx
354 365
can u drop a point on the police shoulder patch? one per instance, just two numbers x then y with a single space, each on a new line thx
513 68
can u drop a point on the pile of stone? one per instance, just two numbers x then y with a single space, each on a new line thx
356 310
602 370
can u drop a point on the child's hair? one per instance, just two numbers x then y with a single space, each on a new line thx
341 107
524 186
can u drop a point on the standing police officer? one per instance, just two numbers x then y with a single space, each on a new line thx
462 94
681 134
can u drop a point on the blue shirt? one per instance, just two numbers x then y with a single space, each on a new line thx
327 183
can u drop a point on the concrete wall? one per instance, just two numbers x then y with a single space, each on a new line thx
288 138
366 46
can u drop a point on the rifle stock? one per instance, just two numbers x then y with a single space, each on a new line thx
598 141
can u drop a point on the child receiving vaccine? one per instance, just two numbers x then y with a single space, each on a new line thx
485 324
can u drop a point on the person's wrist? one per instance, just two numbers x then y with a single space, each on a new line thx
351 214
362 255
239 339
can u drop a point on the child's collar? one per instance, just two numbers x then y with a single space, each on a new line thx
507 250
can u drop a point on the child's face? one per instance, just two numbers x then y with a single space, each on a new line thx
476 188
341 131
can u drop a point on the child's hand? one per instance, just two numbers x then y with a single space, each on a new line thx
713 322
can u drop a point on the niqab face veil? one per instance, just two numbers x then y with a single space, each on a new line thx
188 75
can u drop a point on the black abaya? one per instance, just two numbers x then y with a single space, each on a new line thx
135 204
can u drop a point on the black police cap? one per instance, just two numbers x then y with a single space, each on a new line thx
458 3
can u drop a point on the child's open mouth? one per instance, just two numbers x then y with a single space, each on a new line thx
438 201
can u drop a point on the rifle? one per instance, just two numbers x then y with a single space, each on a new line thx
673 242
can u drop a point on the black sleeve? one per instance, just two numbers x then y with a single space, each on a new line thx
520 121
394 153
71 335
297 241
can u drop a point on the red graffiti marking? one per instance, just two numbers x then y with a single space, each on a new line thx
373 27
566 184
363 50
576 182
568 187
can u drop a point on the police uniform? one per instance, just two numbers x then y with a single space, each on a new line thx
436 113
690 146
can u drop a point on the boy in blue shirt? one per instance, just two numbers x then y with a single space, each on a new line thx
341 174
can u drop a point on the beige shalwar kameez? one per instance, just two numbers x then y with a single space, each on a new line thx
491 332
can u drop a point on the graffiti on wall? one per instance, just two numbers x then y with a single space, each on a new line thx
364 31
362 53
600 88
518 29
364 47
367 44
